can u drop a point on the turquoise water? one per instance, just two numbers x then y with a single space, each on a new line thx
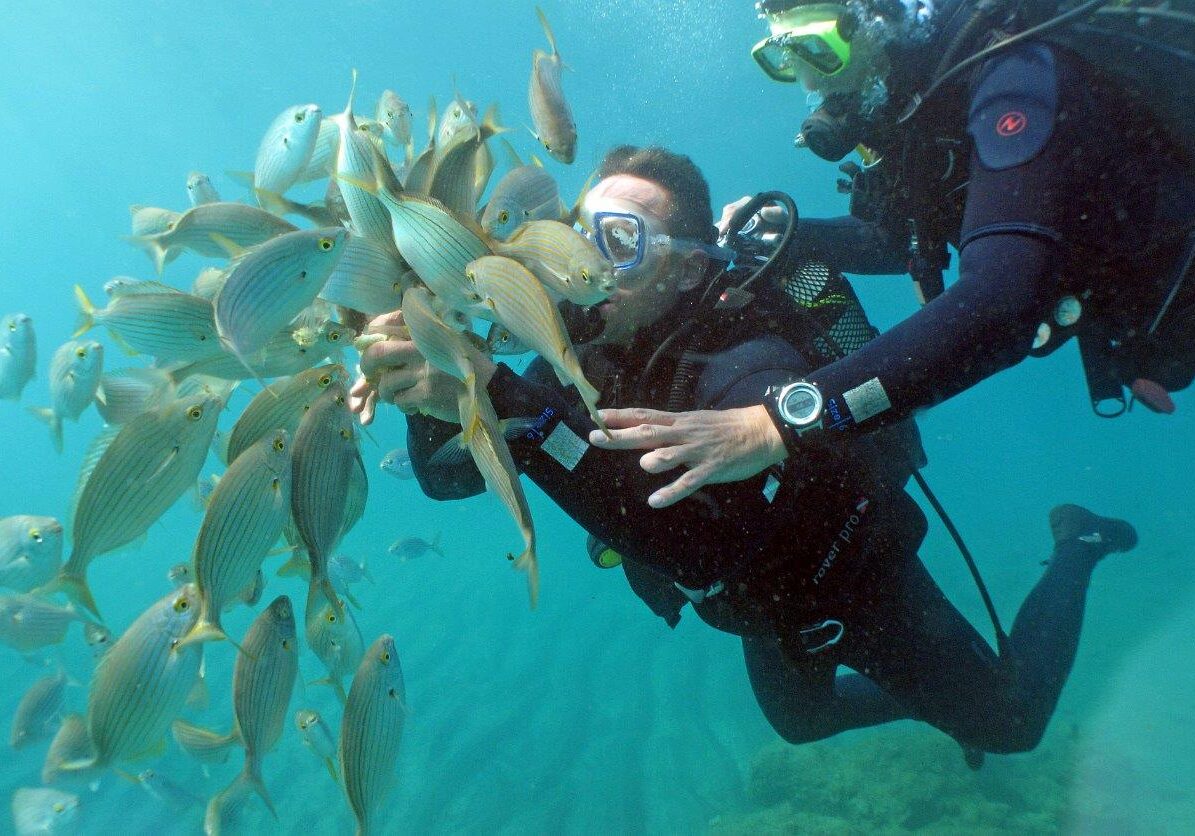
587 715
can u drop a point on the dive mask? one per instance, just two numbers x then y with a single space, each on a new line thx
815 36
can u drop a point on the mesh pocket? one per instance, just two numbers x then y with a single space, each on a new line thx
828 298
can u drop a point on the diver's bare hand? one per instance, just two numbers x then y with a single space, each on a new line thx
363 396
713 445
768 221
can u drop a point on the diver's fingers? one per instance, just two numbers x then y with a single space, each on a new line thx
685 485
394 381
391 354
774 215
640 437
625 418
358 393
728 212
379 324
664 459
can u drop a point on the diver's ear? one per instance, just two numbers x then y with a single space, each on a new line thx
693 270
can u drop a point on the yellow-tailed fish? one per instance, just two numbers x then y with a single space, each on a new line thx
520 303
91 457
126 393
282 405
500 342
270 284
143 470
124 285
151 220
206 229
29 622
565 261
168 326
371 733
318 738
455 179
355 164
439 343
18 355
30 551
526 193
200 189
242 522
334 638
282 356
142 683
369 278
286 148
41 811
75 372
550 112
71 744
39 710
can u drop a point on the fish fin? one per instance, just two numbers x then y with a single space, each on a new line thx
245 178
132 779
335 684
254 779
512 156
452 453
348 108
513 428
348 596
78 765
159 254
431 121
333 597
435 543
203 631
543 21
490 126
365 573
229 246
73 587
86 313
528 563
331 765
203 744
46 414
536 161
297 564
574 215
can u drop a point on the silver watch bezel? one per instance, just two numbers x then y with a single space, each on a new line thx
805 422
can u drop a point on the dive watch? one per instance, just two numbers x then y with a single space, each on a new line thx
795 408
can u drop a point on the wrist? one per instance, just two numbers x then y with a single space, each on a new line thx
795 409
769 437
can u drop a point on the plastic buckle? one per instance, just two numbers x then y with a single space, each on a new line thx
832 623
696 596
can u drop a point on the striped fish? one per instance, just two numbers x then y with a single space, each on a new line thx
463 166
176 798
126 393
142 683
71 744
286 148
269 285
394 115
29 622
436 245
334 637
282 405
526 193
520 303
371 733
206 229
152 220
440 344
125 286
284 355
459 117
208 283
200 189
550 113
168 326
318 738
355 163
150 463
243 520
30 551
39 710
18 355
40 811
419 170
75 373
262 682
323 156
564 260
369 278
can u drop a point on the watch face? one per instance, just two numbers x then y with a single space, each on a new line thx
800 405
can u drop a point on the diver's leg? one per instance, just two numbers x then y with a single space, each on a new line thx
805 701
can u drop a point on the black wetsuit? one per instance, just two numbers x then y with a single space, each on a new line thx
785 557
1050 183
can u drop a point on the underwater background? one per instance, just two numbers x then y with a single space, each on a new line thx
587 715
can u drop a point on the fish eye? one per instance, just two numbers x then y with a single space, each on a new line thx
393 694
279 444
471 275
503 216
385 657
505 338
325 244
275 485
300 116
80 352
181 605
346 435
325 379
585 275
35 535
331 618
334 336
286 644
12 325
547 147
169 225
195 413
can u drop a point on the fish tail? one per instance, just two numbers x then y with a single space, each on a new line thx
435 544
335 684
490 126
543 21
86 313
80 765
529 563
205 630
55 423
252 774
159 253
73 587
331 765
297 564
203 744
590 396
225 804
245 178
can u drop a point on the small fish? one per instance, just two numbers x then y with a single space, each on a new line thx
394 115
125 285
282 405
18 355
142 683
269 285
141 472
207 484
440 344
243 520
550 112
29 622
181 574
502 343
37 811
436 245
369 278
208 283
355 165
459 117
71 744
37 715
410 548
371 732
175 797
344 571
282 355
463 166
206 230
526 193
286 149
565 261
151 220
317 737
323 156
168 326
74 377
200 189
418 171
30 551
334 637
98 638
520 302
126 393
398 464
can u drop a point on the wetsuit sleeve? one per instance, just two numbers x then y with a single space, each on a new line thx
1010 252
850 245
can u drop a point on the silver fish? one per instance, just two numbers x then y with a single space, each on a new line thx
207 230
440 344
152 220
355 168
208 283
29 622
282 405
459 117
318 738
126 393
323 156
344 571
436 245
398 464
98 638
334 637
410 548
394 115
38 713
501 342
243 520
181 574
550 113
369 278
71 745
526 193
168 326
126 285
200 189
565 261
463 166
286 149
30 551
18 355
371 732
38 811
281 356
74 376
150 463
269 285
168 792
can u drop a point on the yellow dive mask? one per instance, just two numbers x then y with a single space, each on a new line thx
816 36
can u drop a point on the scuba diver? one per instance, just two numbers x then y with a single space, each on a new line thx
1055 151
815 564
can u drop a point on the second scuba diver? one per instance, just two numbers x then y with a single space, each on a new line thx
813 563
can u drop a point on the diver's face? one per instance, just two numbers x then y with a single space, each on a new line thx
651 290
